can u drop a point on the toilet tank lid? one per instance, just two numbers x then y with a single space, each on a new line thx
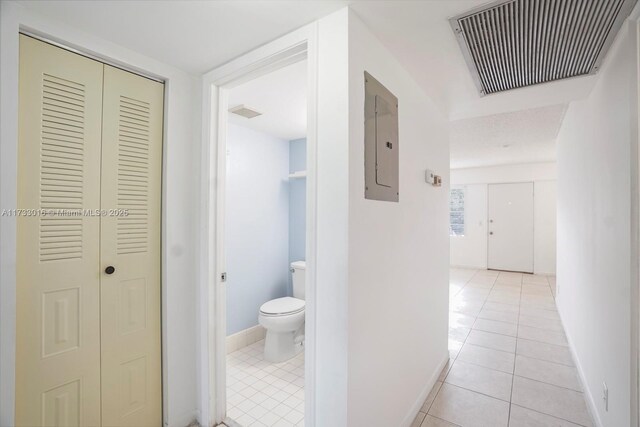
301 265
284 305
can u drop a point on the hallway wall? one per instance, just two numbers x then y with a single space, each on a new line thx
398 257
470 250
597 186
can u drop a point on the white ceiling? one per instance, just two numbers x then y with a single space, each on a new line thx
509 138
281 97
200 35
195 36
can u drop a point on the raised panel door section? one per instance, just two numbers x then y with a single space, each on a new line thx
131 191
58 287
510 237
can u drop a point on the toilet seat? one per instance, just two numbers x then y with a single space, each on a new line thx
282 306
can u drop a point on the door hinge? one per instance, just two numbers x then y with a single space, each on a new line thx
223 277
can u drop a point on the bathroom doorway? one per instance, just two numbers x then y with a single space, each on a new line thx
218 84
264 248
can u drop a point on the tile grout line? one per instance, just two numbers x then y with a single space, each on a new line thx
520 307
515 357
549 415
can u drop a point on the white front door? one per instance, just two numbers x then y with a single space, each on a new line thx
511 227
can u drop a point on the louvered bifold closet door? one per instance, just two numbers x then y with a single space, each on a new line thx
58 276
130 242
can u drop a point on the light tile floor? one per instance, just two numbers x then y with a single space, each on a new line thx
509 360
261 393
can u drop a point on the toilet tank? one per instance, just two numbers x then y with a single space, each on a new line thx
298 270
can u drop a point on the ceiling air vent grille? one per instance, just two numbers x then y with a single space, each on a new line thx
517 43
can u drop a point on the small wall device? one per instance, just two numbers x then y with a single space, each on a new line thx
431 178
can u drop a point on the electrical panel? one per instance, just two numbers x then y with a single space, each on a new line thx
381 143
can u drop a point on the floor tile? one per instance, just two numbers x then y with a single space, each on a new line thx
539 312
505 279
541 323
523 417
549 352
431 421
482 280
487 357
537 301
496 306
459 333
469 409
551 400
445 370
417 421
548 372
454 348
516 340
504 299
466 307
536 289
264 392
496 327
535 278
501 316
294 416
480 379
509 287
491 340
488 284
431 397
535 334
460 319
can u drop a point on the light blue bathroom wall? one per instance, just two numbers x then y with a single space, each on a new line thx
297 202
257 224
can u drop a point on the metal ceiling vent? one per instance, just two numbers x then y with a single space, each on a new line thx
244 111
515 43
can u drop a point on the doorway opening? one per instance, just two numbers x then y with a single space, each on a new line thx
264 247
218 86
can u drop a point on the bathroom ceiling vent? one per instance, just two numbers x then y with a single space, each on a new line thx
516 43
244 111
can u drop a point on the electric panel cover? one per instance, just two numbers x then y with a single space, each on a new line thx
380 142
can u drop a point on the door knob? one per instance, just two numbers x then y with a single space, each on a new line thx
491 233
110 270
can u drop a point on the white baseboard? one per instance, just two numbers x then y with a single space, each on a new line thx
415 408
591 403
244 338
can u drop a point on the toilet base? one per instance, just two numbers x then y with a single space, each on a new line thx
282 346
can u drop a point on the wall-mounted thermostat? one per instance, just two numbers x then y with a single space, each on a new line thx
431 178
380 142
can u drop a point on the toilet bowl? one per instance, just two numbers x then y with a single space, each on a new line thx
283 318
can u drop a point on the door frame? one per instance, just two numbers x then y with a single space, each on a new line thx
296 46
15 20
533 184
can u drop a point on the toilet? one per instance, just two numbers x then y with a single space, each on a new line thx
283 318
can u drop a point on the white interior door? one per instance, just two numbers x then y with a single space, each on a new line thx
510 237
